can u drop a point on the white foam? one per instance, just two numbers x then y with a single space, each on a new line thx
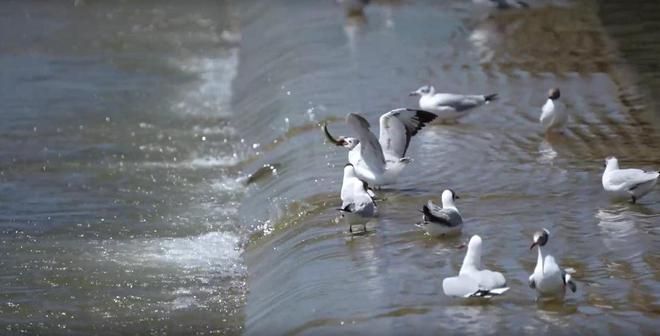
215 252
211 94
228 184
212 161
198 162
215 130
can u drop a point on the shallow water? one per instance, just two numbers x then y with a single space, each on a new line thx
130 131
306 276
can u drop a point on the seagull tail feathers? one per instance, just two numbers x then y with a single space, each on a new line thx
425 210
488 293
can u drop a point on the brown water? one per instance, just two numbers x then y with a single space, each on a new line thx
129 130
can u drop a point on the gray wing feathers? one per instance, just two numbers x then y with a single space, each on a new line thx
435 214
370 148
398 126
632 178
460 102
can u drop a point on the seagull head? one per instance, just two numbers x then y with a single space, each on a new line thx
553 93
611 161
540 238
423 91
348 142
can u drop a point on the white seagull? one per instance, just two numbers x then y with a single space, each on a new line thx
449 107
445 220
553 112
357 200
380 161
472 282
624 183
548 279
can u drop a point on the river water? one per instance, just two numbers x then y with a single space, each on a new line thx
131 133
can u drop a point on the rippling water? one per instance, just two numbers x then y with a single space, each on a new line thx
130 132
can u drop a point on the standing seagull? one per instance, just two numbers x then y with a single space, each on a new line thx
356 200
548 279
380 161
625 183
445 220
449 107
472 282
553 112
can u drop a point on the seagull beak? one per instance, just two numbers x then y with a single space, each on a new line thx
533 244
330 137
457 197
414 93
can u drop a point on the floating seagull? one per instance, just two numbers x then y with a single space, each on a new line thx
472 282
625 183
548 279
354 7
357 200
449 106
445 220
379 162
553 112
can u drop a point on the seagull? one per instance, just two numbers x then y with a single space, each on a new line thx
380 161
449 106
445 220
548 279
553 112
625 183
357 200
472 282
354 7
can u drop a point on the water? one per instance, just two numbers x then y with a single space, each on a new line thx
130 131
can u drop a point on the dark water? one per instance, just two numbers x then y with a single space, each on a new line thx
129 130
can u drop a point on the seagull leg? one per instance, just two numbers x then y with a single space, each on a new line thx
634 199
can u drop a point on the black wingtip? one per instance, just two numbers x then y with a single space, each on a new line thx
491 97
425 210
423 116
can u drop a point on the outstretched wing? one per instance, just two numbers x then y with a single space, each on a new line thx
397 127
370 149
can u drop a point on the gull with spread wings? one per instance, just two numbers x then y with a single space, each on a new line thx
379 161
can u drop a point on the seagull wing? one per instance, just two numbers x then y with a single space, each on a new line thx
397 127
438 215
370 149
459 102
460 286
631 178
490 280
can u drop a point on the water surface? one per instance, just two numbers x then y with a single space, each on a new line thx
130 131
